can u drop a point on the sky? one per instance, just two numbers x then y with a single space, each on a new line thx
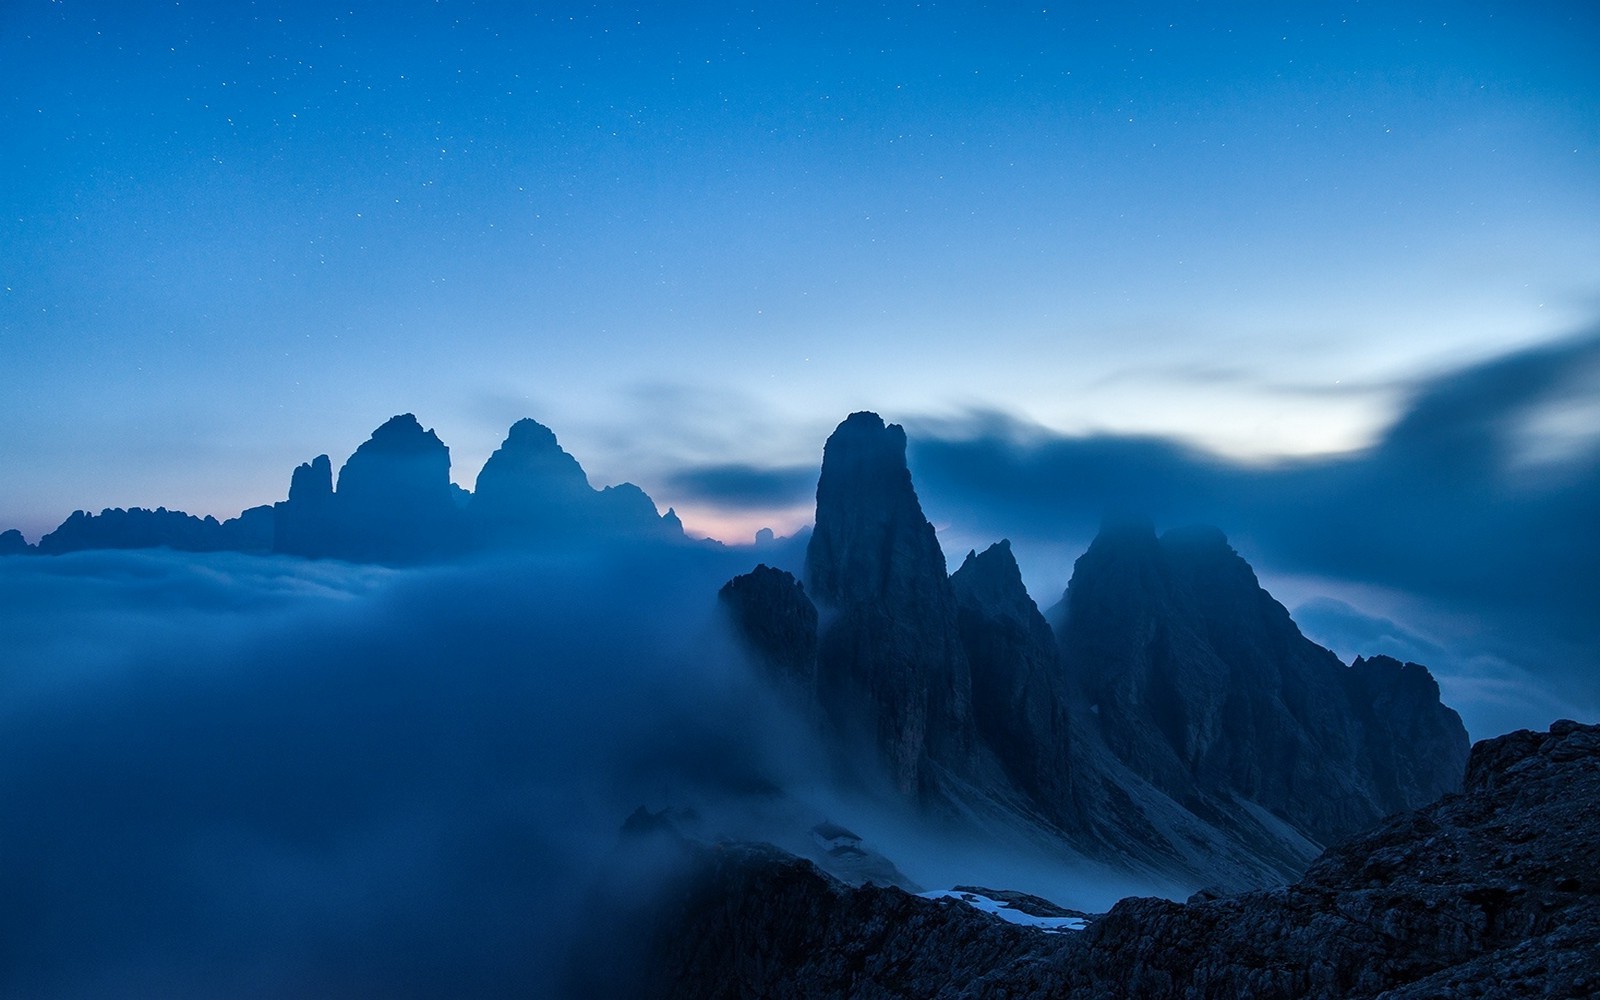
1324 275
237 235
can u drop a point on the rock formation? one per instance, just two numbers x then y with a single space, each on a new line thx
308 523
1491 892
138 528
394 501
1019 699
890 663
1177 721
12 543
772 614
532 492
1202 685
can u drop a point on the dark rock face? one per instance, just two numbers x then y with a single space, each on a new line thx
1204 687
307 523
532 492
1018 691
778 623
135 528
252 531
751 921
1414 747
529 489
13 544
890 663
1492 892
394 497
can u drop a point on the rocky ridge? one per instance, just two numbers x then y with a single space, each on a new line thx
1174 719
1492 892
394 503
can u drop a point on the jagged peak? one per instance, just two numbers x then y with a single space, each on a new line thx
531 452
992 580
871 537
312 479
403 430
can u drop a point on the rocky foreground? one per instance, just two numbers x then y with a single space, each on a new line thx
1493 892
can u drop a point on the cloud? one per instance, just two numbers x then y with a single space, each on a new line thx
736 485
1454 505
237 776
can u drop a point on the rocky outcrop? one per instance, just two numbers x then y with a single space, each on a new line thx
138 528
394 502
1019 701
532 492
13 544
771 613
890 663
1414 748
1491 892
1202 685
307 524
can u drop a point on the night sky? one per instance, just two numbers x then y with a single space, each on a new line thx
1325 275
237 235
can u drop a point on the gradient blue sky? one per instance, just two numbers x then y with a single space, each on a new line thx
236 235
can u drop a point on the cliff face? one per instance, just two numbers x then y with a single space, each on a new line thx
1494 891
1019 698
1177 719
890 663
1203 686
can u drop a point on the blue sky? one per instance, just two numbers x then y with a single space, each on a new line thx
234 236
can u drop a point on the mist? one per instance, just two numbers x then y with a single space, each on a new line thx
229 775
264 777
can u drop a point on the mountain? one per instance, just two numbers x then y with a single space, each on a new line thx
1494 891
891 667
394 503
138 528
1019 700
1174 721
1201 684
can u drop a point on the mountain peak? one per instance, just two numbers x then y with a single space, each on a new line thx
530 466
871 537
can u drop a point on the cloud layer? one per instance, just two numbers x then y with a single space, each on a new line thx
238 776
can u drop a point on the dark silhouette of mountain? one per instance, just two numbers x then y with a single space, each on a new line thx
393 499
1176 721
772 614
1019 699
395 504
1494 891
890 662
532 492
307 523
1202 685
138 528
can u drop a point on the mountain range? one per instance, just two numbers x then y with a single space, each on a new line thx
1165 718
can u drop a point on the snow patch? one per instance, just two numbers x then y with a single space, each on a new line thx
1005 911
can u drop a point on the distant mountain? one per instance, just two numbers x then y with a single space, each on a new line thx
394 503
138 528
1494 891
1200 683
1174 720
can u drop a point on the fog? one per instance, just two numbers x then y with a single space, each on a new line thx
227 775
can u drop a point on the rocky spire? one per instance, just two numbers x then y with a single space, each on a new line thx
890 661
394 496
1019 702
1204 686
